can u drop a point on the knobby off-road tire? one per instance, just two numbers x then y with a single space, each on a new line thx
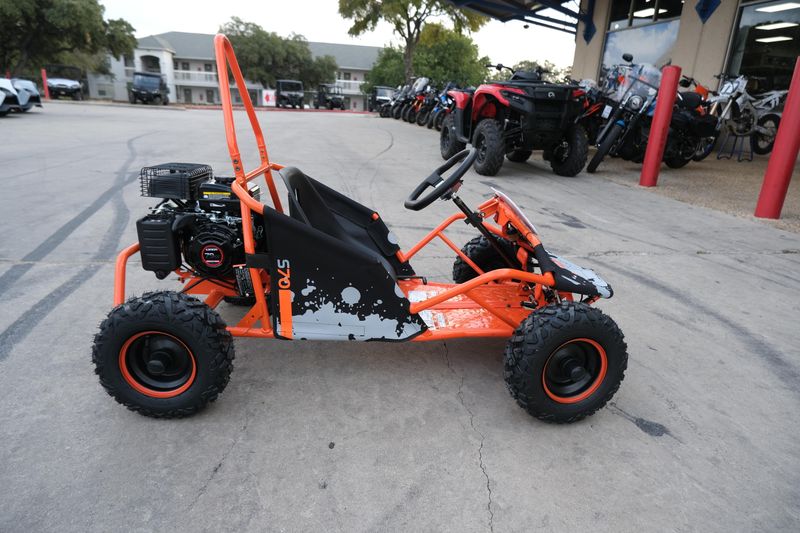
570 164
519 156
449 145
565 361
760 143
488 140
482 254
193 352
604 148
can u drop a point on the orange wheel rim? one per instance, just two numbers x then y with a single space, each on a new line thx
574 371
164 370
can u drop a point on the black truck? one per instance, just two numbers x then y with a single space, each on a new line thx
148 88
329 96
289 93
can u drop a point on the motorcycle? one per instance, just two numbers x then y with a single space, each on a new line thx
745 115
399 101
443 105
627 131
414 99
631 93
428 103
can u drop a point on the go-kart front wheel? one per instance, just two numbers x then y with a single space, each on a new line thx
483 254
164 354
565 362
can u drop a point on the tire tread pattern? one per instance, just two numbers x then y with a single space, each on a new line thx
534 331
167 306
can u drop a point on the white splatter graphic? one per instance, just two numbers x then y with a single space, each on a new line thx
351 295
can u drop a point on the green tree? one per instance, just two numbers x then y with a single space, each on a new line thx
445 55
266 56
388 70
407 18
36 32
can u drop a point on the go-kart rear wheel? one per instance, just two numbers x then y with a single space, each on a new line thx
164 354
565 361
449 145
488 140
519 156
483 254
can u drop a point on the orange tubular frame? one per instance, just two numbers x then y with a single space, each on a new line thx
492 299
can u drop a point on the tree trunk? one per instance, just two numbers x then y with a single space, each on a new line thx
408 59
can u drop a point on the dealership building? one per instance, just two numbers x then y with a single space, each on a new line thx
759 39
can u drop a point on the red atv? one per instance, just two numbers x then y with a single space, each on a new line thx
515 117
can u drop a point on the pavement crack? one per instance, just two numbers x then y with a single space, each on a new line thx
222 460
460 396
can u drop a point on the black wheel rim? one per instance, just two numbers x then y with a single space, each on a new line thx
561 152
574 370
480 143
157 362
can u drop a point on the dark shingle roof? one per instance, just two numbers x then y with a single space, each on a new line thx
201 46
347 55
155 42
185 45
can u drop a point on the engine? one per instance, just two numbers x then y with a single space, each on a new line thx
198 223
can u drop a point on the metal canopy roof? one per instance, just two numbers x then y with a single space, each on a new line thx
534 12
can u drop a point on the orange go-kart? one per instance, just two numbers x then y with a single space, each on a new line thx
329 268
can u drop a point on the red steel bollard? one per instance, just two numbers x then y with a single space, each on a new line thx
44 84
784 154
659 129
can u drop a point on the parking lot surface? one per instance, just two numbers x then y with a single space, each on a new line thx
314 436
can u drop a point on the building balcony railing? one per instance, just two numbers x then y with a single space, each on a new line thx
350 86
193 76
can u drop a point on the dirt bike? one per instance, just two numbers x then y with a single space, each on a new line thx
742 114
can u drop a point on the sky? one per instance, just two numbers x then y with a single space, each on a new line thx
319 20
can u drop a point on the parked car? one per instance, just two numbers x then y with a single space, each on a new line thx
11 99
289 93
329 96
379 96
34 98
64 80
148 88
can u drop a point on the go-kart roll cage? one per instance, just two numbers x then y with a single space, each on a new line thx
489 305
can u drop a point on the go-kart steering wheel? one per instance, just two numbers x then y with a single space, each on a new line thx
440 184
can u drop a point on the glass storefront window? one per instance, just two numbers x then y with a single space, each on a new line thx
620 9
648 44
647 29
767 43
627 13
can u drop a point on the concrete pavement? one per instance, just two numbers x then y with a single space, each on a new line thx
702 435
